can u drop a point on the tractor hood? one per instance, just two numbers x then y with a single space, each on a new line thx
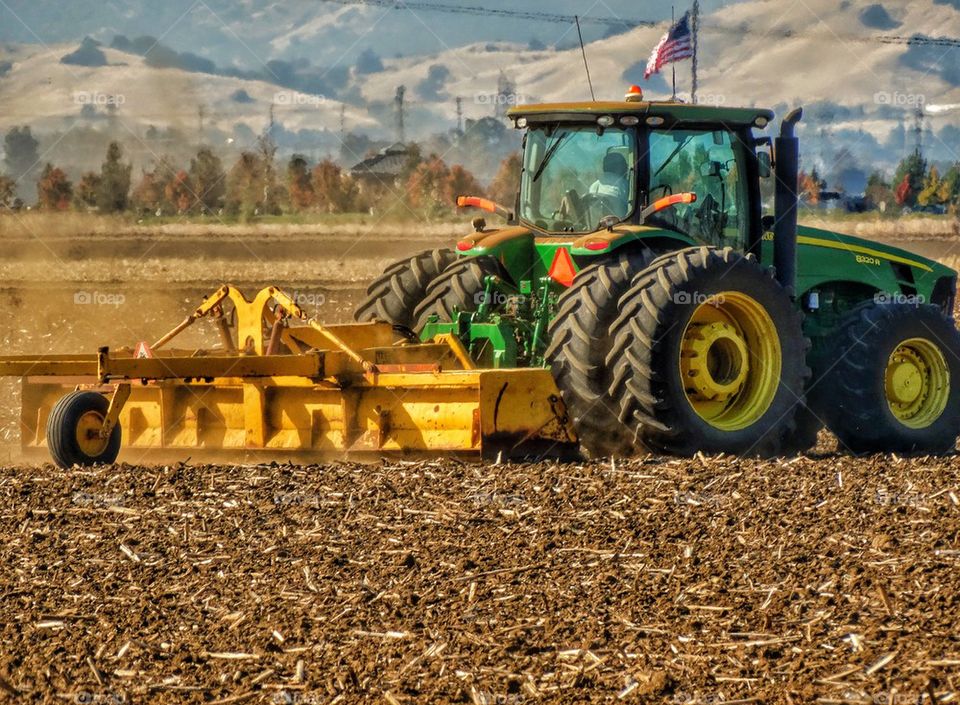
817 238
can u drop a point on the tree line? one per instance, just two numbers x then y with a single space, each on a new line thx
916 185
255 185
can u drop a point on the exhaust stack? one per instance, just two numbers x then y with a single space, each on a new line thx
787 154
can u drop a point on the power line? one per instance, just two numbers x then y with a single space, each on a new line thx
630 23
493 12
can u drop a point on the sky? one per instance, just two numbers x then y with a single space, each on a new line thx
245 32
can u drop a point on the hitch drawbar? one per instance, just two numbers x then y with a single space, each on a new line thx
283 383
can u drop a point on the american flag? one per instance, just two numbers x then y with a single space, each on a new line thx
675 45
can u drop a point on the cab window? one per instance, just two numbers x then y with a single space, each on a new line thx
709 164
574 176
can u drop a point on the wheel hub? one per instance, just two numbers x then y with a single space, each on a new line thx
730 360
715 361
917 383
88 434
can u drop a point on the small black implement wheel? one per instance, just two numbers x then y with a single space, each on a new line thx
73 431
395 294
895 380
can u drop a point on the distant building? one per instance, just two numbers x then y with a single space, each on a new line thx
384 169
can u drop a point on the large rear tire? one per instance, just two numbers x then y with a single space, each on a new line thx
579 343
895 380
395 294
459 288
708 355
72 431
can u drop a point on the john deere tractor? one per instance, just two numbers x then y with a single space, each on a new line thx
638 264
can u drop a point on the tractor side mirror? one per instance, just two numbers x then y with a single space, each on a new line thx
764 165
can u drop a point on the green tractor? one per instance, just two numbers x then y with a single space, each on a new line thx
676 316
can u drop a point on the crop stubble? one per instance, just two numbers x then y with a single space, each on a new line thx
655 580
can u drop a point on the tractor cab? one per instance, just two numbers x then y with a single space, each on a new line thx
587 165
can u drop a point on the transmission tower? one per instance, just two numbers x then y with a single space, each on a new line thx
398 100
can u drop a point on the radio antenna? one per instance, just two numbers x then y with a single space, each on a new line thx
586 66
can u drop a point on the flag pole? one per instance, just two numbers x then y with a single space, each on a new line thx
673 21
693 65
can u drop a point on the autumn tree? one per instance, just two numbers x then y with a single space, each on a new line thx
147 195
8 191
299 185
909 177
244 195
427 186
85 194
209 181
179 193
930 194
506 183
334 191
460 182
54 189
114 186
878 190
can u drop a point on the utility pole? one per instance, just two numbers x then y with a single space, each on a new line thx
459 115
918 131
398 100
200 115
695 29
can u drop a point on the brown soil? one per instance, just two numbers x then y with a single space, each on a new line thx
825 579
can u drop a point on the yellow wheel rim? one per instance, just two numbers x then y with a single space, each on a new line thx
88 434
730 361
917 383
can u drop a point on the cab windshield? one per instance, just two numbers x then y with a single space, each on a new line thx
573 177
709 164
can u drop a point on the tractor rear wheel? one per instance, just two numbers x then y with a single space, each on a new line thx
73 431
393 296
460 288
895 382
708 355
579 343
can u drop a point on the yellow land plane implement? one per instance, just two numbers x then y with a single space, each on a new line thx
282 384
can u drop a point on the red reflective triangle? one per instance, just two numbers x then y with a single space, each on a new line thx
562 270
143 350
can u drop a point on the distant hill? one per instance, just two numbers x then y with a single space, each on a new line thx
860 94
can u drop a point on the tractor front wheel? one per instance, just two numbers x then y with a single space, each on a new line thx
895 380
460 288
579 343
708 355
393 296
73 431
